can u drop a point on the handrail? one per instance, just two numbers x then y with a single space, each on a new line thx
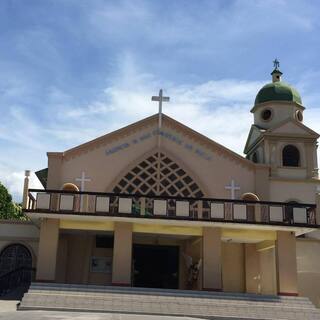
138 195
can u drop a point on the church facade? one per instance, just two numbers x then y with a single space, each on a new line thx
156 204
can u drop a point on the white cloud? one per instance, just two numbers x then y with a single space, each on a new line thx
206 107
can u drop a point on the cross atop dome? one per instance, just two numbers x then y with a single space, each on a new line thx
276 73
276 64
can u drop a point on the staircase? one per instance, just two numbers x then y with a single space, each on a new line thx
209 305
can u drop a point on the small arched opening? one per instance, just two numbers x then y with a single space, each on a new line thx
290 156
249 196
69 187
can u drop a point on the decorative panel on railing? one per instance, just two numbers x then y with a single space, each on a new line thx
110 204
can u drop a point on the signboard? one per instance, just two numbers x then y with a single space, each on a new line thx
101 264
164 134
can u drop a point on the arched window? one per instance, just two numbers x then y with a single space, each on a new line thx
158 175
13 257
290 156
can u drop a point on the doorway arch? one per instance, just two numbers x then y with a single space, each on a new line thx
15 256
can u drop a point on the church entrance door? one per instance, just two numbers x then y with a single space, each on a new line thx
156 266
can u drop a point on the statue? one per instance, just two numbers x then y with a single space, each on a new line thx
193 271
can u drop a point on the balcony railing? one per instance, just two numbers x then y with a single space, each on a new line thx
178 208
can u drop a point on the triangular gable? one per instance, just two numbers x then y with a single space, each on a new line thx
254 134
292 127
151 121
42 175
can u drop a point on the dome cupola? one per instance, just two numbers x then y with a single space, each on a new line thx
277 90
276 102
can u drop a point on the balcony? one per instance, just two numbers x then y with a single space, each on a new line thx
57 202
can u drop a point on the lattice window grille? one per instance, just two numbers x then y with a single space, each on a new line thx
158 175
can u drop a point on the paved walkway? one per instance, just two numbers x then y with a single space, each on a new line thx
8 305
59 315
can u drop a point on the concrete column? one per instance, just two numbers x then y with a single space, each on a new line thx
48 247
25 189
122 254
212 277
286 263
252 266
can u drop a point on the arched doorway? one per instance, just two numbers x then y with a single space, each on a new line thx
13 257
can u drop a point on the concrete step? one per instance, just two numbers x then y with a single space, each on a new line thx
166 302
168 292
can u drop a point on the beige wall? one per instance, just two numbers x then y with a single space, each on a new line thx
252 268
79 246
298 190
54 171
73 267
308 265
286 263
268 276
100 278
262 182
233 267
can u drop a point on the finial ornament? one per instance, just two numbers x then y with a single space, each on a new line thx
276 64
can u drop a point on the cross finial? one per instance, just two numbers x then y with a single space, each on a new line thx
276 64
160 98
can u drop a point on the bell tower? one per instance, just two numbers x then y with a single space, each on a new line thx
278 136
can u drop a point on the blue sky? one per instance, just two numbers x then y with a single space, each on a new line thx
72 70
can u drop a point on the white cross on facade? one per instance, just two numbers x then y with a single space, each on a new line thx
161 99
233 188
83 180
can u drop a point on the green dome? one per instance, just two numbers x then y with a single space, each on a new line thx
278 91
